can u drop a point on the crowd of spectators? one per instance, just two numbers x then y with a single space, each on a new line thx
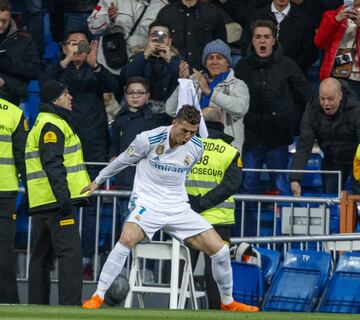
264 93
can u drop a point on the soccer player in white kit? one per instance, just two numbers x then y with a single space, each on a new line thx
164 156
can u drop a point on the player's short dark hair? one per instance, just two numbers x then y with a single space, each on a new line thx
264 24
144 82
189 114
5 5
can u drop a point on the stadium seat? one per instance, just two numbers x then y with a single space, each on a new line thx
248 283
342 294
163 250
299 282
270 263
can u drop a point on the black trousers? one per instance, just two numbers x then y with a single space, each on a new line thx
211 287
8 284
55 236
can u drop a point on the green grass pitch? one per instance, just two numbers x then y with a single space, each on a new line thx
23 312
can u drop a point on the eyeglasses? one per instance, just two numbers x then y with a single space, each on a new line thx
136 93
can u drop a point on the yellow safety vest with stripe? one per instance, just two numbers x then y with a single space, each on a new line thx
208 173
10 116
356 164
39 189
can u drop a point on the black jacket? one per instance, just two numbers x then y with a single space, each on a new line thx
338 135
126 126
295 34
232 177
19 63
162 76
88 112
273 116
52 161
193 28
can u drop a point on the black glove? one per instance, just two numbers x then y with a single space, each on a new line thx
66 208
194 202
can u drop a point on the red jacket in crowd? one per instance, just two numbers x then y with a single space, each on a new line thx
329 37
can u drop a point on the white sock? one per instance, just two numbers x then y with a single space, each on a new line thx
222 273
112 268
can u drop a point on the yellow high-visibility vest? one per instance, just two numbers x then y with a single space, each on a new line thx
39 189
10 116
208 173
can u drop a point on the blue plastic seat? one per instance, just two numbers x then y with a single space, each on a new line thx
248 283
270 263
342 294
299 282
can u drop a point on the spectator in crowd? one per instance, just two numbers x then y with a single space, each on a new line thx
216 85
55 175
87 81
13 133
294 32
220 166
158 63
120 15
272 117
333 120
338 35
136 116
19 60
193 25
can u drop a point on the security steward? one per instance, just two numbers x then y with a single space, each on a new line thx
210 186
55 173
13 133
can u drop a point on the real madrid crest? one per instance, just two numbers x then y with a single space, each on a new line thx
159 149
187 161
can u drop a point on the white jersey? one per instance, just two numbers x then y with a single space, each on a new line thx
161 171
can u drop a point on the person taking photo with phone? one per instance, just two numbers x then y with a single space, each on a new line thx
158 62
339 36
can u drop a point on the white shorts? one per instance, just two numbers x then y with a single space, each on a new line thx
182 225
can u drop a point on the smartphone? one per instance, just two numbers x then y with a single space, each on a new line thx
158 36
83 47
348 4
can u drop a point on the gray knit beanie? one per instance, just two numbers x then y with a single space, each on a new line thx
217 46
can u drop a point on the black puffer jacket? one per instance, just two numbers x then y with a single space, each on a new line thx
338 135
19 63
193 28
272 82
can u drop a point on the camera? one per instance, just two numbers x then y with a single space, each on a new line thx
343 59
158 36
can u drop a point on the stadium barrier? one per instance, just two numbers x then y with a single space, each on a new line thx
306 222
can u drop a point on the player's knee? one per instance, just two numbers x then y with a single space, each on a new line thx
128 240
222 255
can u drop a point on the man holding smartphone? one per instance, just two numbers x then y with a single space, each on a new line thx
158 62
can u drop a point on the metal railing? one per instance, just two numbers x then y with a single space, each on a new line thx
239 198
